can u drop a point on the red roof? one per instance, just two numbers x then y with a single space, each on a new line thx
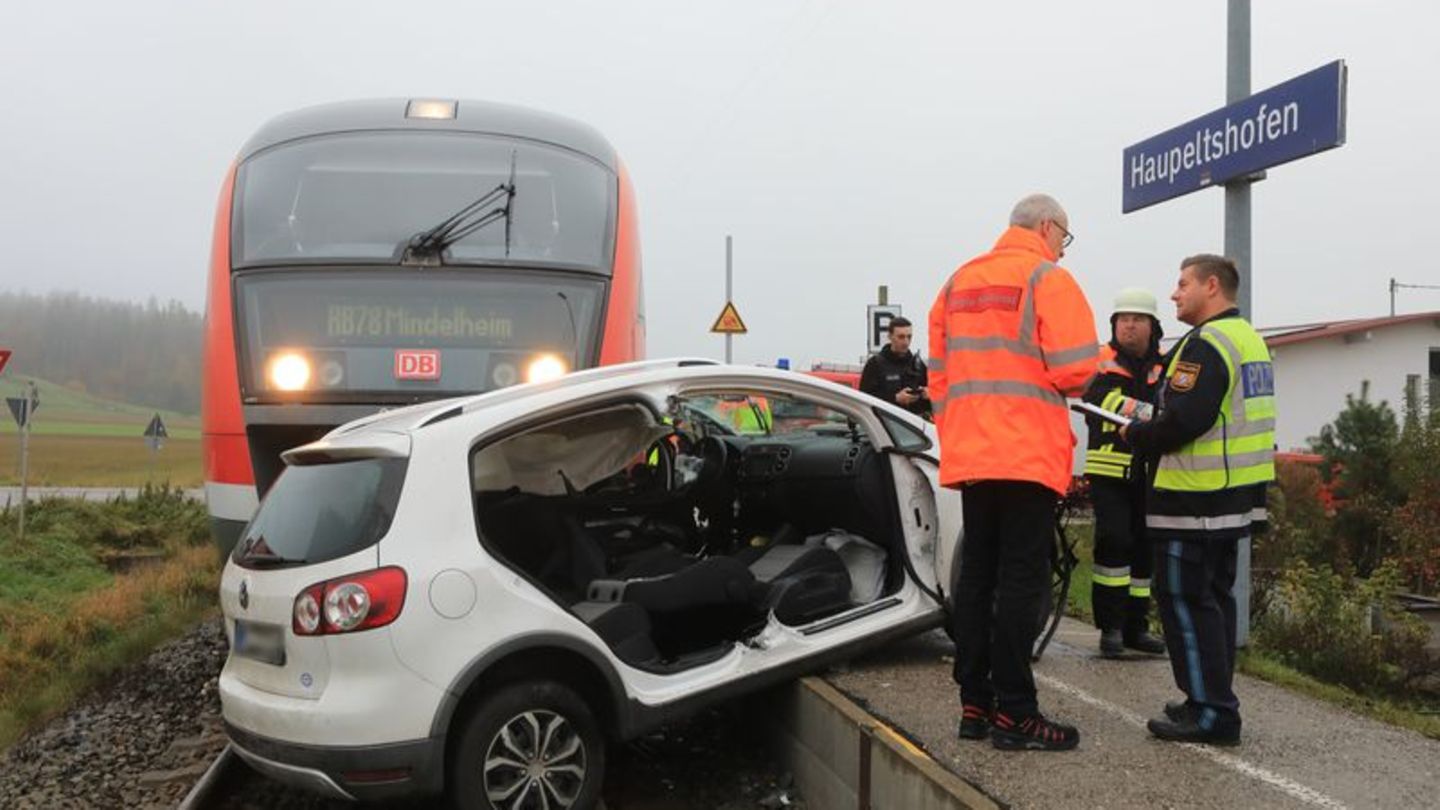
1286 335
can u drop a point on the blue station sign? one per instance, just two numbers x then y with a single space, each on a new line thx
1288 121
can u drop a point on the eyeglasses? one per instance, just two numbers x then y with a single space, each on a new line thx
1069 237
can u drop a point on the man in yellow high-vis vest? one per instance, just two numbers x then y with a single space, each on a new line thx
1213 439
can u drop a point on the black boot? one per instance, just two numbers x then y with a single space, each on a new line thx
1188 729
1177 710
1137 627
1144 642
1112 644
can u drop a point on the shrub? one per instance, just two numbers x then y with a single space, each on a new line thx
1360 449
1346 630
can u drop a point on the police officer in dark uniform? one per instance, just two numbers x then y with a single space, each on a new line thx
1127 381
896 374
1213 439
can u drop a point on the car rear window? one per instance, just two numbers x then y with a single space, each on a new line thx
320 512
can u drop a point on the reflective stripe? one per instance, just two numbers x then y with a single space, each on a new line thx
1065 357
1011 388
991 343
1198 523
1027 318
1190 640
1139 587
1251 427
1259 514
1106 470
1117 576
936 364
1195 463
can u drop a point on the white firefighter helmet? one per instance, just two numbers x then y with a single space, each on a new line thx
1138 300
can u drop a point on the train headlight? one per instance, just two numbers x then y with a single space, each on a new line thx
545 367
289 371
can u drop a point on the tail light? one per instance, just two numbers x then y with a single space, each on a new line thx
350 604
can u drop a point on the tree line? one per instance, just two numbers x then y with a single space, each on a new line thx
145 354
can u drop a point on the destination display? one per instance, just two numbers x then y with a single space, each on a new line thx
380 330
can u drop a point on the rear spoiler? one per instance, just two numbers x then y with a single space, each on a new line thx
350 447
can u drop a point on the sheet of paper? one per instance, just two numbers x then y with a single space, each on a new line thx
1085 407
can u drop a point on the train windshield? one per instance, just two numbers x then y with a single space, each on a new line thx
360 197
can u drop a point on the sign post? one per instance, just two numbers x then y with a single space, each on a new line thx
155 436
1232 147
23 409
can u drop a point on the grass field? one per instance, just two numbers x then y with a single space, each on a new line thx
101 461
72 611
80 440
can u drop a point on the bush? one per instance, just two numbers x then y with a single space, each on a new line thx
1416 524
1360 449
1346 630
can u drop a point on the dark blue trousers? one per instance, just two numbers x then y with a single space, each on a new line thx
1193 580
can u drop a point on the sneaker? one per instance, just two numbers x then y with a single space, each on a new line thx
1112 644
1144 642
1189 730
974 722
1033 733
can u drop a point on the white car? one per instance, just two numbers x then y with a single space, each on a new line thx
474 596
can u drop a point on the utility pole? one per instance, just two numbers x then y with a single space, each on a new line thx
1395 285
729 338
1237 192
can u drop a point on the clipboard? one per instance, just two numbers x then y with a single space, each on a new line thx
1095 410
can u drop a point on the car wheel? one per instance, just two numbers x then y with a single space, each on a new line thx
530 746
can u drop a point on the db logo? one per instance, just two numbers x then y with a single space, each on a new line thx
417 364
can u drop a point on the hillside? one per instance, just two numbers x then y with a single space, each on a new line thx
64 412
147 354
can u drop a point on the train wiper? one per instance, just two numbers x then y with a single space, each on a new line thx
428 247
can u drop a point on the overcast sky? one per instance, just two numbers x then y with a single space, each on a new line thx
843 144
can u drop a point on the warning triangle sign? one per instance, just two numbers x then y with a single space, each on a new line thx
729 322
156 428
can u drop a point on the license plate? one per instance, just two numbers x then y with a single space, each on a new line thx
260 642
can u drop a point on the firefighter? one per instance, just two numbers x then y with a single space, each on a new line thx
1214 436
1129 375
896 374
1011 336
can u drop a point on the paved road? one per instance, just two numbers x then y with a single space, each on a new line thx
11 495
1296 753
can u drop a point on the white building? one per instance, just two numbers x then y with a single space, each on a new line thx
1316 365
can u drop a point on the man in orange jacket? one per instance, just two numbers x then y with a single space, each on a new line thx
1011 336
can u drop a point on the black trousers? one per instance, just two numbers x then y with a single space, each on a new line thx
1123 558
1193 582
1004 576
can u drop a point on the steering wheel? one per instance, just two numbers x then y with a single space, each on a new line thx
715 455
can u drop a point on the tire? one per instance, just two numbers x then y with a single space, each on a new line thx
504 728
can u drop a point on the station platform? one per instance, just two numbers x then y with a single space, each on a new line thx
881 733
